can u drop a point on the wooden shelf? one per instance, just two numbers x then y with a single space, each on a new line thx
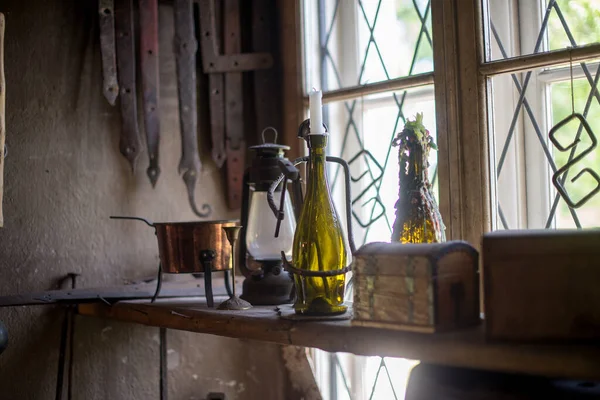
467 348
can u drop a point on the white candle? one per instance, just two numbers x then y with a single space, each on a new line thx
316 112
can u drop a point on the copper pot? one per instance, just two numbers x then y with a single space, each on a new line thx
181 244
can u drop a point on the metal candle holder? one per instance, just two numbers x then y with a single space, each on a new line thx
291 173
234 302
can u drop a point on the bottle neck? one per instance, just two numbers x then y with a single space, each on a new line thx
415 167
317 178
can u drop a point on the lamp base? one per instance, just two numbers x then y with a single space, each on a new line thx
234 303
270 285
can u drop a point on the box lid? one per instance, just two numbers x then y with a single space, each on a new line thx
510 243
430 250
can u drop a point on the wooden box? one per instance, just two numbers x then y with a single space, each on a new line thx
416 287
542 285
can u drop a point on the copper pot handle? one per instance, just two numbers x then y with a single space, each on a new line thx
150 224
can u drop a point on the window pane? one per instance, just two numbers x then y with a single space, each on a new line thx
348 43
509 122
362 378
526 159
581 17
589 214
541 25
371 123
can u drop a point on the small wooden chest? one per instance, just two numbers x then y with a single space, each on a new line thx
542 284
416 287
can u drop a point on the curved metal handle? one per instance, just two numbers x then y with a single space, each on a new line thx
294 176
275 134
346 168
271 199
147 222
189 178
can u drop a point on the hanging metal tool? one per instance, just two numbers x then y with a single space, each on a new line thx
110 87
129 143
227 137
185 55
210 45
150 82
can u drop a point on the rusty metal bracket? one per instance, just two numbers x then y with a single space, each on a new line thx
106 9
235 145
217 103
217 118
212 60
226 93
150 82
129 143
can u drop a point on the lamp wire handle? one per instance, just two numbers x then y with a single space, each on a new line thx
280 214
275 134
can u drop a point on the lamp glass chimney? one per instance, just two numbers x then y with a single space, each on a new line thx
260 240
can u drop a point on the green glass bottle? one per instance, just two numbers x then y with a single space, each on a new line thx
318 241
418 218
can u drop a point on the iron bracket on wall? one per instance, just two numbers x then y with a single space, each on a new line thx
215 62
226 91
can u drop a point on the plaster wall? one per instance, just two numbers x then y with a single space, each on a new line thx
64 177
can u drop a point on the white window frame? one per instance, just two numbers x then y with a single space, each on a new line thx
526 196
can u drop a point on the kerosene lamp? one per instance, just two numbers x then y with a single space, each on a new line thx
266 283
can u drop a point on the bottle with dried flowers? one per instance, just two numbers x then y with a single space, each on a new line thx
418 218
